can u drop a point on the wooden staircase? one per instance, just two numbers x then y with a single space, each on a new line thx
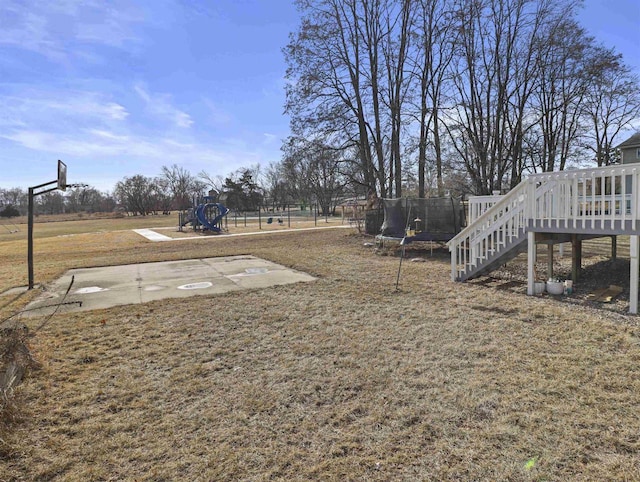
582 203
495 237
588 202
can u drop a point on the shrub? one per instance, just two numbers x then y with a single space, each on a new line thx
9 211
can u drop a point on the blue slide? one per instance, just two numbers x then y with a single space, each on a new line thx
205 211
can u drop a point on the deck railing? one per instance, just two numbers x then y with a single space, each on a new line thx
587 199
479 204
492 231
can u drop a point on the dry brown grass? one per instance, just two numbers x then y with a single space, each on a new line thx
342 379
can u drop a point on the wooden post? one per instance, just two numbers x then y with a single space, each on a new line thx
549 260
531 260
614 247
633 274
454 262
576 257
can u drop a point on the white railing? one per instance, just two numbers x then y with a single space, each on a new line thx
492 231
479 204
595 200
588 199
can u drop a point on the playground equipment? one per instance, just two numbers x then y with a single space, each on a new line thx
207 215
13 229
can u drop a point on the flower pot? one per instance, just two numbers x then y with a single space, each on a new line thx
555 287
538 287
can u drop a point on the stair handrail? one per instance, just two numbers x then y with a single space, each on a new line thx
519 201
478 224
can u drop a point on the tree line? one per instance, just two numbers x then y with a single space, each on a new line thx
175 188
15 201
424 96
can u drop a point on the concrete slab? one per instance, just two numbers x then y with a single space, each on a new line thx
152 235
105 287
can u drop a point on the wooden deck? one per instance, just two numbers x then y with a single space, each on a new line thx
547 208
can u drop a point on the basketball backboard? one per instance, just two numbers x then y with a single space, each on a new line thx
62 176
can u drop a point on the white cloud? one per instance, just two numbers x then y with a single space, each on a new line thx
98 143
54 108
116 111
269 138
161 106
25 28
183 119
108 135
112 24
98 155
58 29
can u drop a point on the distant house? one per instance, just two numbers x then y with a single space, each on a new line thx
630 149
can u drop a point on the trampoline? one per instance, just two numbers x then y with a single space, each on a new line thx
421 219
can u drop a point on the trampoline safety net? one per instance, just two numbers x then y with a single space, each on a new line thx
440 218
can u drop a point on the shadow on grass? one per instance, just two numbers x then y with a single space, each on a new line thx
597 273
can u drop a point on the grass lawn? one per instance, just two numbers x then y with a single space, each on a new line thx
345 378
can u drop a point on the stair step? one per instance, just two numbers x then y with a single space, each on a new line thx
492 258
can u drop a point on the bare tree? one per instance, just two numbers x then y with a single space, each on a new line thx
314 168
335 80
395 45
436 36
137 194
182 186
560 90
276 187
494 88
50 203
494 77
612 102
84 198
15 197
215 182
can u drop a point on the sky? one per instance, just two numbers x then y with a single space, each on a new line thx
122 87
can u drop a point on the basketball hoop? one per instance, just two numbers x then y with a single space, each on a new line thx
61 184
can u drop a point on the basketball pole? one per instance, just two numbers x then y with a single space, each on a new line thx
61 183
33 194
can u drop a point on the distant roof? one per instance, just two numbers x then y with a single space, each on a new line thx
633 141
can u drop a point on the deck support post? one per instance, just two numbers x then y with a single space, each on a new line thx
549 260
576 257
454 263
614 247
633 274
531 261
